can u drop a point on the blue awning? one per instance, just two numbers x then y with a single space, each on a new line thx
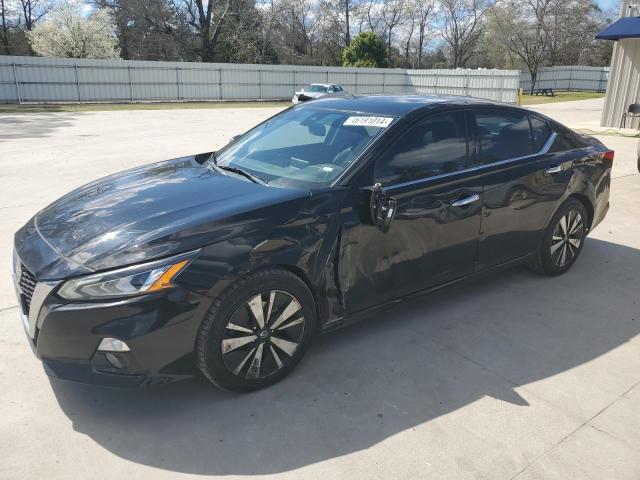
627 27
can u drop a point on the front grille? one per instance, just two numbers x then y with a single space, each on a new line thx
27 286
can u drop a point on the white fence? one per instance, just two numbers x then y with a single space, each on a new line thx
39 79
571 78
499 85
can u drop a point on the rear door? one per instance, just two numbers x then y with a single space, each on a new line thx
523 181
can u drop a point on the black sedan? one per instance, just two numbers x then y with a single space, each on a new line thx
232 261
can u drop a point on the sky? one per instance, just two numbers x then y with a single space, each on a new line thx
606 4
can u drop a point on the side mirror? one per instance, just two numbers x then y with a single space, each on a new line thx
382 208
235 137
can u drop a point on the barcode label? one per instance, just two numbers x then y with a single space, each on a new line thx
381 122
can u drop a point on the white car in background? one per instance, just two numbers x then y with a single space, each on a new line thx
316 90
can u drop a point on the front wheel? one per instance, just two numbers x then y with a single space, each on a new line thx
563 239
257 331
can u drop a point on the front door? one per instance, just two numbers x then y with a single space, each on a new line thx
434 219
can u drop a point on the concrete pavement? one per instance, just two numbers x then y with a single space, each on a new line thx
517 376
577 114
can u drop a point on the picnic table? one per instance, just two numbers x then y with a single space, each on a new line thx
545 92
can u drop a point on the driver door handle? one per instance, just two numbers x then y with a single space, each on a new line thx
466 201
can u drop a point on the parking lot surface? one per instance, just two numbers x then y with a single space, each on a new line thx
515 376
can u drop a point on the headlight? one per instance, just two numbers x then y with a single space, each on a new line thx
124 282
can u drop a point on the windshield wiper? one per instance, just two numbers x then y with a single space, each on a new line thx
254 178
239 171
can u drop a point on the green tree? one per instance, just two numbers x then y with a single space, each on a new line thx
365 50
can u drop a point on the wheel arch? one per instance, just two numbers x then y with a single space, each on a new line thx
314 289
302 275
586 202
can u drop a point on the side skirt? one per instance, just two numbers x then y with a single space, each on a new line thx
360 315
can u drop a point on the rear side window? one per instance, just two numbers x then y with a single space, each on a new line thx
502 135
566 140
434 146
541 133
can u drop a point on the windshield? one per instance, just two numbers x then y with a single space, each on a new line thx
302 147
315 88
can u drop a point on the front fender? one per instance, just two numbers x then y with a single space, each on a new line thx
306 245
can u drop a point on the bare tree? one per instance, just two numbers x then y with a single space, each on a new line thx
4 26
207 18
331 32
347 27
269 21
462 28
34 10
572 26
423 11
294 28
391 15
147 30
524 31
517 33
369 13
410 21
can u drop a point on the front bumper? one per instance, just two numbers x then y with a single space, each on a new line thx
160 330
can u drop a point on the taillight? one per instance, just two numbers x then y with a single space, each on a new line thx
608 155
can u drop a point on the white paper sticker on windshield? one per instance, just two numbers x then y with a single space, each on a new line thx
381 122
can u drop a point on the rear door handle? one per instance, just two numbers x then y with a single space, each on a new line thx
466 201
554 169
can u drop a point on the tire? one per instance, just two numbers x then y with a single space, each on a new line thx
257 331
559 250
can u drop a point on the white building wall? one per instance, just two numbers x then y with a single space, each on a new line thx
623 88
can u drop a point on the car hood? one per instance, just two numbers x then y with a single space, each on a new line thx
157 210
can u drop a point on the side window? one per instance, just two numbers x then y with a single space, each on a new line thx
541 133
435 146
566 140
502 135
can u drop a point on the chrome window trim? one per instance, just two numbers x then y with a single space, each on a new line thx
545 149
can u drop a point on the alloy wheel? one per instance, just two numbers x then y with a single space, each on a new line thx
263 334
567 238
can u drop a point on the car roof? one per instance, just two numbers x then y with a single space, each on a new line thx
395 105
324 84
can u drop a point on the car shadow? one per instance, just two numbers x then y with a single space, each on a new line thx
397 370
33 125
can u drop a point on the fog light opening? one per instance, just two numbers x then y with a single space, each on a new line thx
113 345
113 360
